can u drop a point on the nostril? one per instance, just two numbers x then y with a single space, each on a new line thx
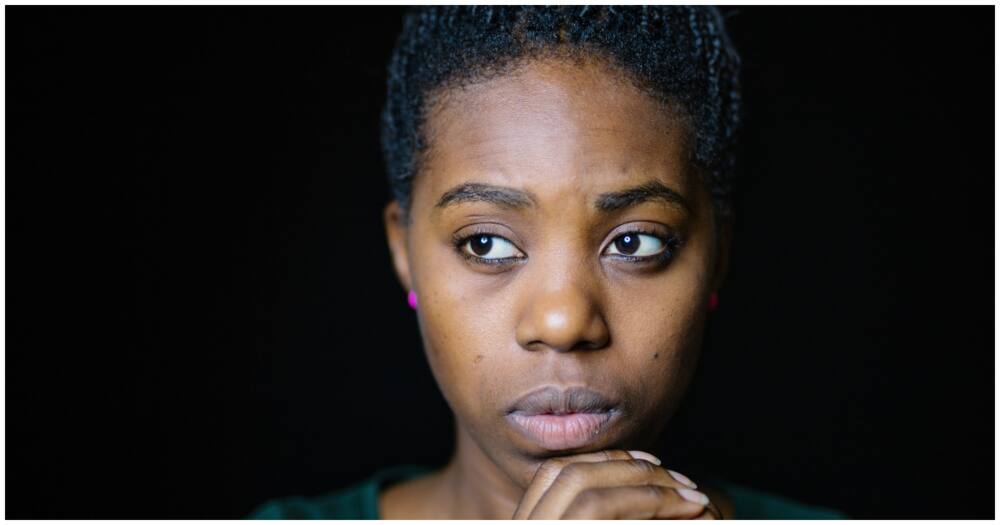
579 346
587 345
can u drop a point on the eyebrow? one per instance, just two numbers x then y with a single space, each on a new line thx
477 192
653 190
519 199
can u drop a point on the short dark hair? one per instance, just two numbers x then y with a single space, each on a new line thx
680 54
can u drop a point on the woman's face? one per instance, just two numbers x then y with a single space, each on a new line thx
558 239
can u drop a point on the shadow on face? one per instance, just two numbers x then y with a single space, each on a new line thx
557 237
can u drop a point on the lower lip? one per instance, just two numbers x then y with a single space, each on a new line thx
560 432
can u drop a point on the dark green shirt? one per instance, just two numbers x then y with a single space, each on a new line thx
360 501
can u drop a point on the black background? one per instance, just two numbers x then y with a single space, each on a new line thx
203 313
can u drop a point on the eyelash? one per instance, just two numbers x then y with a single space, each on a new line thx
671 243
461 240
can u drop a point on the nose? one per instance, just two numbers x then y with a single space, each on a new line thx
563 315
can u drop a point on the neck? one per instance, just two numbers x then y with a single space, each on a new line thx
476 487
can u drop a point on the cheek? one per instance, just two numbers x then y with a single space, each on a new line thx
462 333
658 327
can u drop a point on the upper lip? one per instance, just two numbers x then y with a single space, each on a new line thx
556 400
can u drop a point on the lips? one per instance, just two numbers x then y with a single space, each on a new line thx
559 419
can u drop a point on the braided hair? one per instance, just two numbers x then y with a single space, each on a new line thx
679 54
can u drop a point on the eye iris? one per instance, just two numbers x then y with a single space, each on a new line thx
482 244
627 244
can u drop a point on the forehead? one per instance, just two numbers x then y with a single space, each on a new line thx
552 127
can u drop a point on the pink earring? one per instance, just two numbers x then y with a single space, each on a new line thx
713 301
411 298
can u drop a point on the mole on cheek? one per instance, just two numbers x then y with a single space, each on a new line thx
656 355
478 358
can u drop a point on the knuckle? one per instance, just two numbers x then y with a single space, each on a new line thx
573 474
617 454
643 466
553 463
655 491
551 467
586 501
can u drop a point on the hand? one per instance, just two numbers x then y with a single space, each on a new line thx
611 484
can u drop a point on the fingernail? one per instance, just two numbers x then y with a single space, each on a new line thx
682 478
638 454
693 495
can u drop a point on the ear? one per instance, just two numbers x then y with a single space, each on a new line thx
395 232
724 243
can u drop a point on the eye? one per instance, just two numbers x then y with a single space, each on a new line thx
636 245
485 246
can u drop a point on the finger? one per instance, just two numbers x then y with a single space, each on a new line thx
632 503
710 514
715 510
577 477
550 469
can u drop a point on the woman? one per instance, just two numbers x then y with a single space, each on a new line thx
561 218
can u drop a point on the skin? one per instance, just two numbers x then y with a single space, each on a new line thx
570 311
